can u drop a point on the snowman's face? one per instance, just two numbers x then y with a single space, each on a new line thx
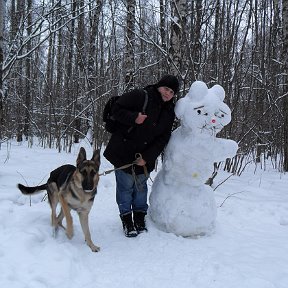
207 118
202 110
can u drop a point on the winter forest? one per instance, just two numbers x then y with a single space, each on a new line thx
60 61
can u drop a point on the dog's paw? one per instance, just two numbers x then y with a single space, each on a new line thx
69 233
54 232
94 248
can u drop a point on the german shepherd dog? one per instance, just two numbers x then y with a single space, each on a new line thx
75 188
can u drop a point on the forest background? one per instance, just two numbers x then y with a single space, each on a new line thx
61 60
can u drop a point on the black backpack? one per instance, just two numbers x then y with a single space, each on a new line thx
111 125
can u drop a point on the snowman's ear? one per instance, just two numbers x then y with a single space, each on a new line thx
197 91
218 91
180 108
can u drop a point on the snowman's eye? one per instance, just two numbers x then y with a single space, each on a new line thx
220 114
205 114
199 110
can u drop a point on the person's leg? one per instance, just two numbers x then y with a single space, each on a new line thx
124 198
140 191
139 204
124 191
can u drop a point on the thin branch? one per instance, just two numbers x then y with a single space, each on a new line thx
229 196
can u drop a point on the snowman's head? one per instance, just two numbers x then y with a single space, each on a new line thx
202 110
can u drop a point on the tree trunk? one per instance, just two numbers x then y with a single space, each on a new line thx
2 12
175 52
197 41
81 71
285 81
130 43
68 79
163 28
179 48
94 75
28 78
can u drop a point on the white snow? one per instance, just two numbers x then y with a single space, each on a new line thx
248 249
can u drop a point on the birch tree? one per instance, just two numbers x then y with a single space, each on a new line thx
177 30
163 26
63 60
130 44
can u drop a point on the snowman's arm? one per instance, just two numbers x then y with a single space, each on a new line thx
224 149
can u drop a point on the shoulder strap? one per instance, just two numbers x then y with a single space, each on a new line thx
145 102
143 108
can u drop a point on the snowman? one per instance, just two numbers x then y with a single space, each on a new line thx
180 201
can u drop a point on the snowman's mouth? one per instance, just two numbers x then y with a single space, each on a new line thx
213 129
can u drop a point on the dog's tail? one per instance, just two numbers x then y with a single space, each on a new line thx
31 190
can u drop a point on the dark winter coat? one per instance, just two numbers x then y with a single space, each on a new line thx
148 138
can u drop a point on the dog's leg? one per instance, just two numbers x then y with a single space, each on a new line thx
60 218
83 216
67 214
53 201
54 220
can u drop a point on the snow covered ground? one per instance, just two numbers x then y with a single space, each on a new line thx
248 250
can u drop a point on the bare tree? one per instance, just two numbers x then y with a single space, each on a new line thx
63 59
176 40
29 79
94 70
130 44
2 13
163 25
285 82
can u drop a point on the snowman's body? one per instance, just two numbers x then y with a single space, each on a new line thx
180 201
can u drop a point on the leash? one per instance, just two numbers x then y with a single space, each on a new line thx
138 157
119 168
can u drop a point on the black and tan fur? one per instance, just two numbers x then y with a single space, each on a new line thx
75 188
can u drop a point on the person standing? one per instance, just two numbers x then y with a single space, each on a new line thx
140 138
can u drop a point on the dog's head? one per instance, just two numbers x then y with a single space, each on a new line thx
88 170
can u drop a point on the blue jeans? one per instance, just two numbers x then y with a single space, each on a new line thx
131 192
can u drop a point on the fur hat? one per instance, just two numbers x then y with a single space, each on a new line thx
169 81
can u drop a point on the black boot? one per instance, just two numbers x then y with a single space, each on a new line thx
128 226
139 221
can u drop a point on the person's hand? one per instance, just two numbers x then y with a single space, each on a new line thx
140 162
140 118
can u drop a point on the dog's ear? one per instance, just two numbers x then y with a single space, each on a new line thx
81 156
96 156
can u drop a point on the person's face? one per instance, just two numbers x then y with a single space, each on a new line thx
166 93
